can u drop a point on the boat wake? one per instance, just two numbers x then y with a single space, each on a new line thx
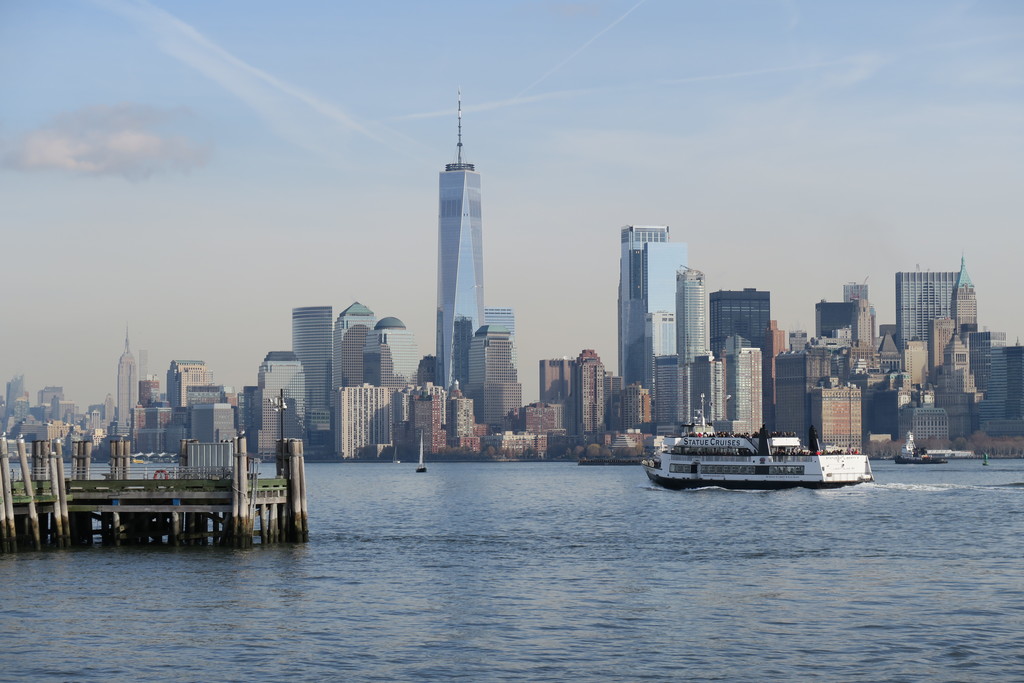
897 486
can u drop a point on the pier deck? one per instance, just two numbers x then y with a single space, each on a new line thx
182 505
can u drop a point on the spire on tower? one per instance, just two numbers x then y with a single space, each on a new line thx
459 164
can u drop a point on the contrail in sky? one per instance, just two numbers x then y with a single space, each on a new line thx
260 90
583 47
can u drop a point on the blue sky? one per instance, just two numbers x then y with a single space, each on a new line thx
195 170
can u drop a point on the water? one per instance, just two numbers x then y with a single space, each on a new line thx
553 572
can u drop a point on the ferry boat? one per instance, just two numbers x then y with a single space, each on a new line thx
911 455
760 462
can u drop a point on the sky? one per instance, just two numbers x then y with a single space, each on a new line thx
192 171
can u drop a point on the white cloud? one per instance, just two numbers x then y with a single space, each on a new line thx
124 139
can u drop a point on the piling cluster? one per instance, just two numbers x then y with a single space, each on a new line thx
230 506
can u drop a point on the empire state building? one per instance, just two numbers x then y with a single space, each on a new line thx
460 267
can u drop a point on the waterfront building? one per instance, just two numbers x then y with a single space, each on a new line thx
965 305
744 385
691 314
738 314
493 379
648 264
350 332
127 390
667 408
613 401
460 266
587 396
1002 411
796 374
835 411
706 382
362 419
636 407
461 421
425 410
512 445
180 376
390 355
920 298
280 371
213 422
544 418
925 421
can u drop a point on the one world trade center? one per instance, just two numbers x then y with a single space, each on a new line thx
460 267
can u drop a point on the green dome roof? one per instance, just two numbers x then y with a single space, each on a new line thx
389 323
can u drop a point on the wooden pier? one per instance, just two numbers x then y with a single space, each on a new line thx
184 505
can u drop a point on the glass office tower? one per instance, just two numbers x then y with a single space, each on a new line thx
647 284
460 266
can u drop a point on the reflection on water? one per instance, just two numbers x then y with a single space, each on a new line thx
554 572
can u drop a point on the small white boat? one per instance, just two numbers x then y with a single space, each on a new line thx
421 467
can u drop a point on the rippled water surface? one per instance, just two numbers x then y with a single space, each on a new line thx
540 571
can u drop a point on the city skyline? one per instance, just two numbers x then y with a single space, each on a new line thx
794 150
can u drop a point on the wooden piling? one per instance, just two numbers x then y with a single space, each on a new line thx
62 494
81 460
300 472
57 522
7 528
33 515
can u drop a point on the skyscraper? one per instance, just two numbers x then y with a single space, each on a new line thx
691 314
363 418
1002 411
648 264
127 389
460 266
493 379
743 384
280 371
312 342
965 305
390 356
920 298
588 401
738 313
350 330
181 375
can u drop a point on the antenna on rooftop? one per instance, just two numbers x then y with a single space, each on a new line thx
460 125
